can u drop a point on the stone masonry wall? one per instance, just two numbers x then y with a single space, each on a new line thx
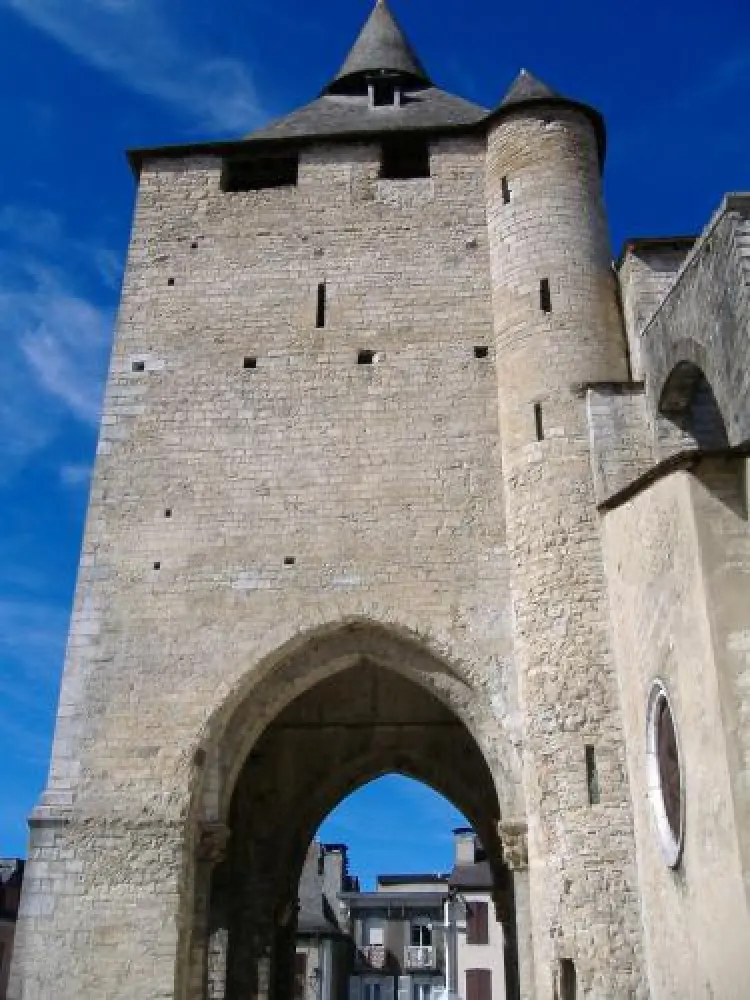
584 895
382 483
646 274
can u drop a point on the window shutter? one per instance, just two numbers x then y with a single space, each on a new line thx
482 927
478 984
477 927
355 988
485 984
404 988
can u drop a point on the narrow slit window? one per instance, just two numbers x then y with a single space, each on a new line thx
592 777
250 363
481 352
320 310
506 190
366 357
259 172
404 158
545 297
538 422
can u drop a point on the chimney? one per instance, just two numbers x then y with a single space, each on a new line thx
464 840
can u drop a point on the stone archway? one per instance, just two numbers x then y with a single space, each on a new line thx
378 705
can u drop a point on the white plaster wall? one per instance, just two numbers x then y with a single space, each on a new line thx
481 956
696 927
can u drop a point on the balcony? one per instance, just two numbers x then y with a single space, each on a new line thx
419 957
372 956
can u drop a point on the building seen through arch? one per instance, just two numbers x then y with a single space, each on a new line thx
398 473
417 936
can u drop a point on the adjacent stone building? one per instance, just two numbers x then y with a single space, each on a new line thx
397 472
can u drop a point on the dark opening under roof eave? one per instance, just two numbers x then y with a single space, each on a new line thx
224 147
136 156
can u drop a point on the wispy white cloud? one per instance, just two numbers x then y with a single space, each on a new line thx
63 341
137 42
55 338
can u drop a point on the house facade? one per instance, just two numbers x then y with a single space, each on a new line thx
429 936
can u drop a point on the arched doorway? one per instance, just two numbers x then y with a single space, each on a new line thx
378 706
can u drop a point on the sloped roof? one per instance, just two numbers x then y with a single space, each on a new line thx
381 46
527 87
338 114
477 875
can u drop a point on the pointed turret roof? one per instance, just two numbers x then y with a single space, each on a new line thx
527 87
528 90
381 47
344 107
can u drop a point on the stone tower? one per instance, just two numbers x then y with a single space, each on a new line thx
557 327
397 472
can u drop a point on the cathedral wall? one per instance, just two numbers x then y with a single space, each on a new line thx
666 578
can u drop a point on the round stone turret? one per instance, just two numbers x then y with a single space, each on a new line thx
557 326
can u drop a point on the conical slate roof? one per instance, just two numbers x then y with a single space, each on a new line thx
526 87
344 107
380 47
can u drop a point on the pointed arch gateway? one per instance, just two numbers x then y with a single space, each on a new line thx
344 706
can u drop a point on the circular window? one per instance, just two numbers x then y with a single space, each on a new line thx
665 784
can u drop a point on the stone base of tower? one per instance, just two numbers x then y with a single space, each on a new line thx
100 911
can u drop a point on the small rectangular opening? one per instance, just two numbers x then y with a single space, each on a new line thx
170 282
157 565
506 190
289 560
545 297
138 366
568 984
404 158
258 172
168 512
481 352
383 93
250 363
366 357
592 777
538 422
320 309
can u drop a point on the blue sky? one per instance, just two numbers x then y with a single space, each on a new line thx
81 80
